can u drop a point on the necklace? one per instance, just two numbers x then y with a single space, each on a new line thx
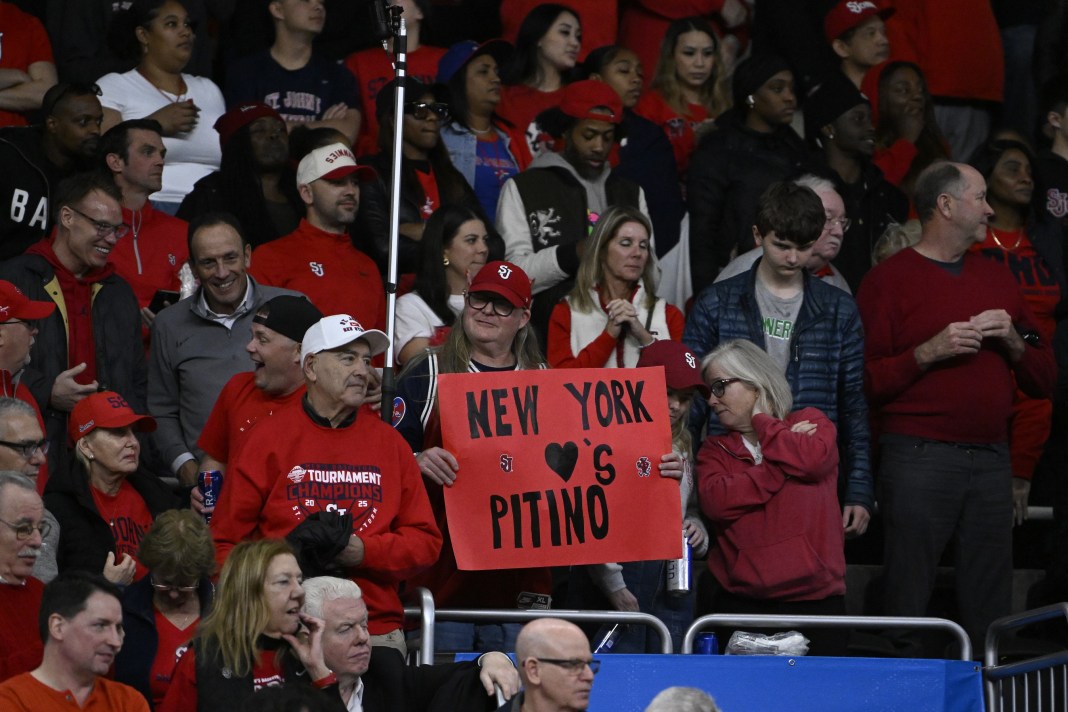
1019 239
177 97
108 513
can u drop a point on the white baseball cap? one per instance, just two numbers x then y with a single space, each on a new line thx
332 162
336 330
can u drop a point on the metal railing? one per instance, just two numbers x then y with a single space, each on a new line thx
428 614
784 622
1039 683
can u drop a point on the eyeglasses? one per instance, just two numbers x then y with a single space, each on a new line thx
844 223
573 666
719 386
168 587
478 302
103 229
422 110
27 449
29 324
25 530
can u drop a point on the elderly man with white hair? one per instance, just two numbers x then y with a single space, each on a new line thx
371 680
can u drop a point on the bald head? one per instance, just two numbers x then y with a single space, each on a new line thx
553 657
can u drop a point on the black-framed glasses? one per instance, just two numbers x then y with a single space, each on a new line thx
28 448
103 229
573 666
168 587
844 223
24 530
29 324
479 300
719 386
422 110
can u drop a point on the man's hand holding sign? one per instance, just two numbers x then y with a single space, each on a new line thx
558 467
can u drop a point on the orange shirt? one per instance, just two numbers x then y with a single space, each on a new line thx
25 693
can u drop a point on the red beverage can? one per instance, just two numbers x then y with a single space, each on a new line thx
209 482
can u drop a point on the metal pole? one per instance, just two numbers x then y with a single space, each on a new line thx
400 63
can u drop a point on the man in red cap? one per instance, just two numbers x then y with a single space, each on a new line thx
151 258
546 212
18 330
249 182
318 258
497 336
857 33
94 337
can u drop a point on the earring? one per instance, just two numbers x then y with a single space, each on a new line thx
445 260
750 101
830 135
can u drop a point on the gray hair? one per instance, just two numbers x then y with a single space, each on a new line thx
939 178
321 589
817 185
745 360
16 406
15 479
682 699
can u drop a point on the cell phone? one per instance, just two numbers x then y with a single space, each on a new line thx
163 298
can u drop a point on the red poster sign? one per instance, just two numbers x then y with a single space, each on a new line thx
559 467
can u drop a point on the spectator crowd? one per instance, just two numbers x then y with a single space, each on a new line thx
838 226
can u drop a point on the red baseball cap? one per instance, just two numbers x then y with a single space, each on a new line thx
106 409
240 116
589 99
849 13
16 305
682 369
503 279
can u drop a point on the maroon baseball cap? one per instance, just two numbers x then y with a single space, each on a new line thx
682 369
106 409
589 99
16 305
240 116
847 14
503 279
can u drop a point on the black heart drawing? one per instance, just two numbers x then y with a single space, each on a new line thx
562 458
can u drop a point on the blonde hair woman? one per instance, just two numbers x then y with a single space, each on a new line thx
612 312
255 636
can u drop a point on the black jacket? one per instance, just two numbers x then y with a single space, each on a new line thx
26 184
120 352
85 538
729 170
134 662
392 686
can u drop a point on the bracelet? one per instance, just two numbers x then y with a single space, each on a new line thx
327 681
645 346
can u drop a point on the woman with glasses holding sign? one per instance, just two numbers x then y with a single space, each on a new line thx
105 509
769 488
161 611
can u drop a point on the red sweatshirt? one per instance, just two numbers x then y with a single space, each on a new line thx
150 257
291 467
907 300
22 649
778 528
326 268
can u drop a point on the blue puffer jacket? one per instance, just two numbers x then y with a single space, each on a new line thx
826 368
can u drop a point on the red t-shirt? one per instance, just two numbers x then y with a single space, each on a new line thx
430 189
520 105
239 406
373 69
128 516
678 127
173 642
21 650
25 42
